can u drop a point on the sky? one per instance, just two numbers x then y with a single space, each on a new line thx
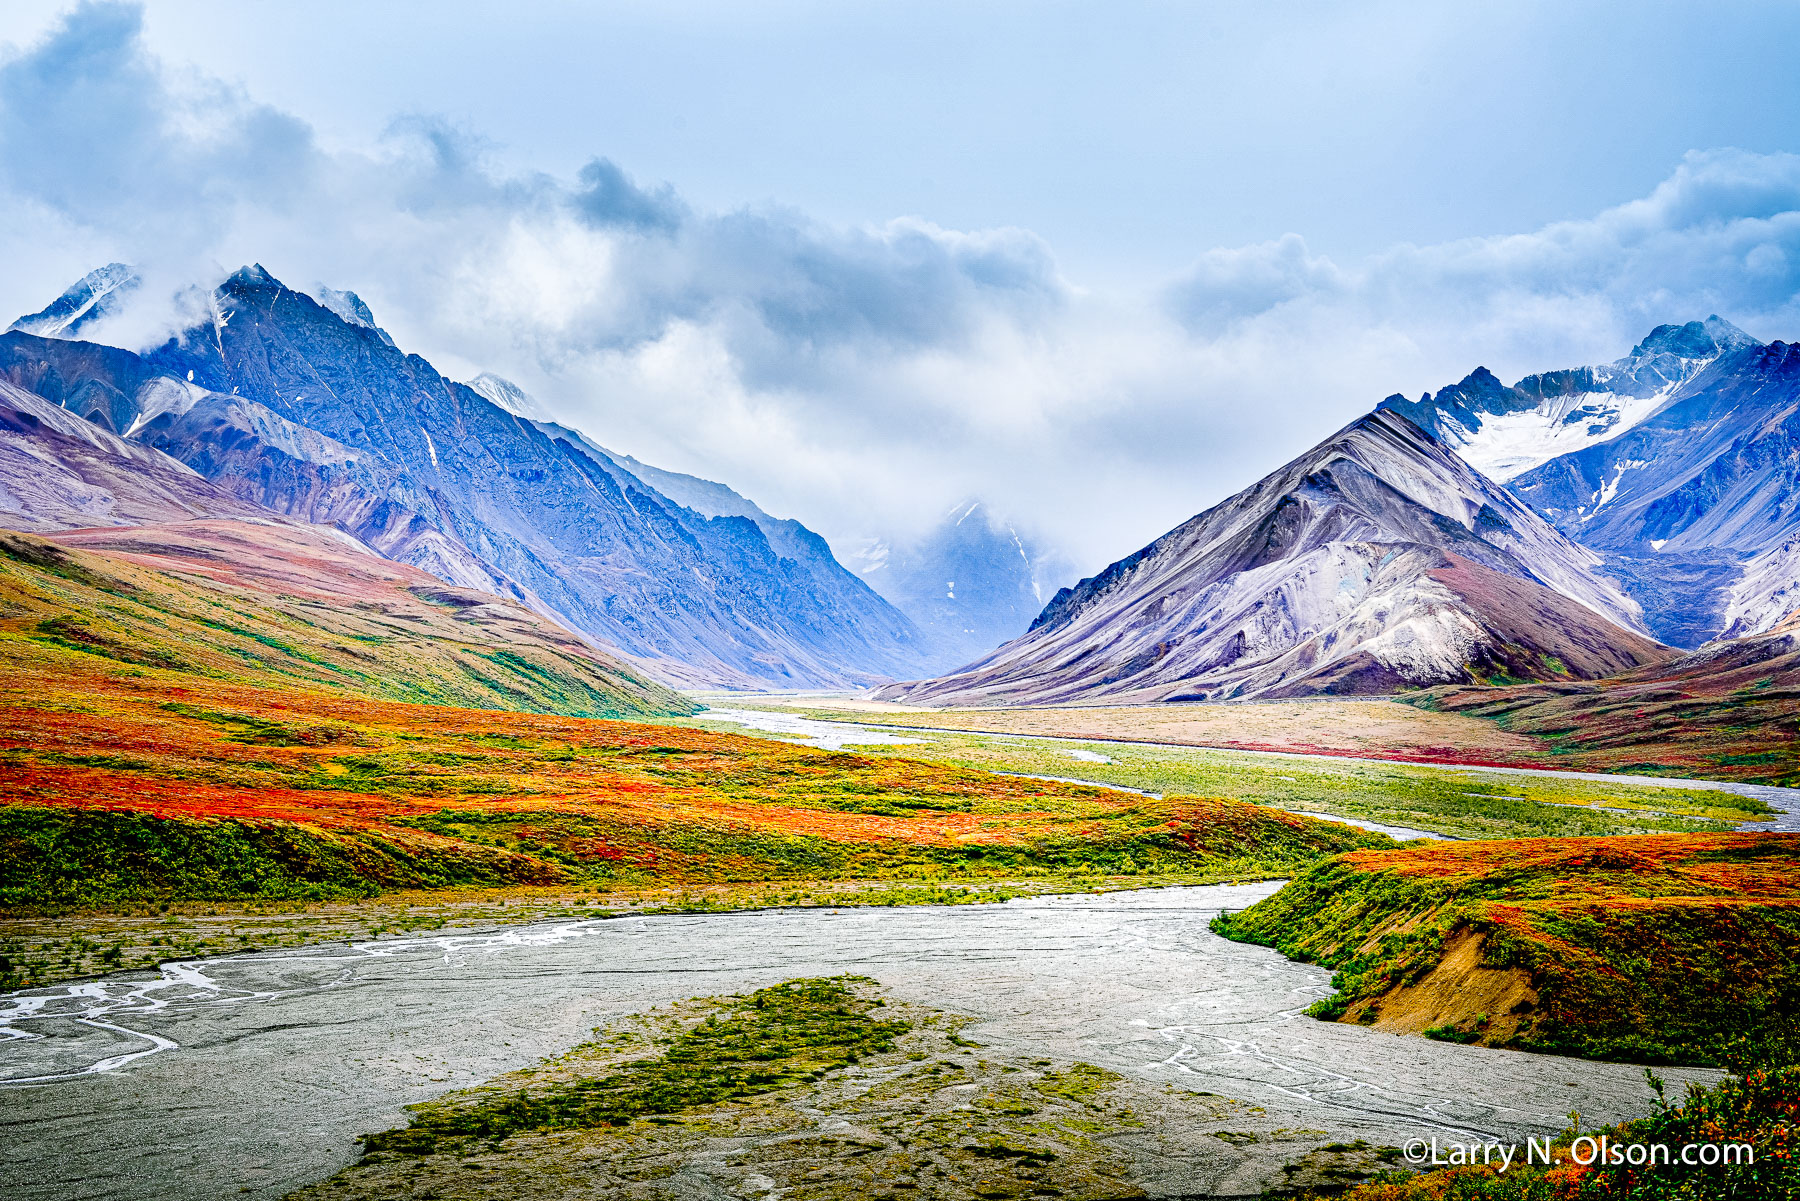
1101 264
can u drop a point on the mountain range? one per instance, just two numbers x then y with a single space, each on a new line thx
1649 504
971 582
1377 560
1572 526
304 407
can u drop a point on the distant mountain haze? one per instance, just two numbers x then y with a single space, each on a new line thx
970 583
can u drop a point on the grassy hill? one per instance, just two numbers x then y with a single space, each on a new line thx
278 605
1725 712
1657 948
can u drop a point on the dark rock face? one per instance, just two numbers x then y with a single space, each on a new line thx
1375 560
284 401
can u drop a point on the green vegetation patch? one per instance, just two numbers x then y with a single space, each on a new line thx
1756 1109
1458 802
57 857
773 1038
1660 950
260 731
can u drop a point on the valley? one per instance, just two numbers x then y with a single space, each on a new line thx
997 602
1463 803
375 735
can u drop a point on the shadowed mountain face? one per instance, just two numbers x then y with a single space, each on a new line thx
1377 560
308 408
970 584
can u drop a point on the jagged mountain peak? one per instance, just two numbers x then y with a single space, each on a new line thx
509 396
351 308
251 275
301 405
1694 340
93 296
1507 431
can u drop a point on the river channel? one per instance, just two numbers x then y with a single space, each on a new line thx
247 1075
837 735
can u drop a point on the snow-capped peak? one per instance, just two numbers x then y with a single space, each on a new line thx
509 396
350 307
94 295
1504 432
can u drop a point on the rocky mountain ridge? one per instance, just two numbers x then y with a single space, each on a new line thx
1504 432
308 408
1376 560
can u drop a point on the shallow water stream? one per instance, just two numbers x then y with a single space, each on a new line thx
837 735
247 1075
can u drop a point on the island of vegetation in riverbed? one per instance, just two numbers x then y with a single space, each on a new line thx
826 1090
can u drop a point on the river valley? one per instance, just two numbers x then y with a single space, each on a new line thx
249 1075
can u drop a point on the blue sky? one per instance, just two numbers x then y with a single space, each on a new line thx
1101 263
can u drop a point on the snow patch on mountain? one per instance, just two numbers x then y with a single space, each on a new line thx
1502 445
509 396
349 307
1504 432
97 294
164 395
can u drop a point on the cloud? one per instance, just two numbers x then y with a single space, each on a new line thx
1722 233
608 199
1230 284
860 378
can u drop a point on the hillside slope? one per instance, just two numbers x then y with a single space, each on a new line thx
1665 948
1730 711
1376 560
285 606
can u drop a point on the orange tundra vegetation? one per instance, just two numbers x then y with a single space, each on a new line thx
173 732
1654 948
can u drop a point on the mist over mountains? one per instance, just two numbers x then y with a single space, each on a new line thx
1560 527
308 409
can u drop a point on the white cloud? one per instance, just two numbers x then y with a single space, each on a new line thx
864 378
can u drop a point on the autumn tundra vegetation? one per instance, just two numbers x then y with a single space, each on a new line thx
205 750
